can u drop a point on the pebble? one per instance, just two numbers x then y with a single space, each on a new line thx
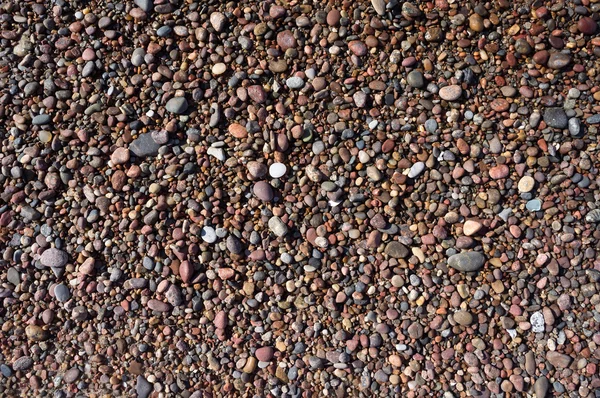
294 83
416 170
142 387
396 250
277 170
378 6
415 79
144 146
277 226
526 184
537 322
54 258
450 93
62 293
177 105
463 318
556 118
263 191
208 234
467 261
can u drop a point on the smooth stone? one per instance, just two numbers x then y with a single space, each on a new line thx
217 153
277 226
144 146
541 387
137 58
537 322
431 126
526 184
218 21
416 169
177 105
146 5
257 169
467 262
574 127
234 245
450 93
378 6
277 170
62 293
556 118
23 363
142 387
587 25
534 205
208 234
396 249
559 360
294 83
415 79
39 120
463 318
593 216
54 258
559 60
265 354
594 119
263 191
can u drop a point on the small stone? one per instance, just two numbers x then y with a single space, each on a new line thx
264 354
396 250
556 118
358 48
415 79
238 131
54 258
177 105
36 333
220 320
158 306
234 245
142 387
257 169
263 191
559 360
541 387
378 6
587 26
471 227
450 93
476 23
416 170
277 226
593 216
144 146
145 5
463 318
467 261
286 40
574 127
62 293
559 60
294 83
120 156
218 21
39 120
526 184
534 205
277 170
23 363
537 322
219 68
208 234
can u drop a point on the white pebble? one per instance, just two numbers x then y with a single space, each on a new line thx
277 170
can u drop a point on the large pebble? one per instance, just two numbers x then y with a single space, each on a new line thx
450 93
467 261
54 258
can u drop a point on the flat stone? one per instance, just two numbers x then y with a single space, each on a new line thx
541 387
463 318
42 119
467 261
143 388
277 226
158 306
378 6
144 146
177 105
556 118
62 293
263 191
416 170
277 170
450 93
559 360
534 205
537 322
23 363
526 184
294 83
265 354
145 5
396 249
120 156
54 258
471 227
559 60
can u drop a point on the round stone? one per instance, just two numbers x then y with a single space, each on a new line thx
177 105
415 79
277 170
450 93
463 318
526 184
219 68
62 293
263 191
54 258
208 234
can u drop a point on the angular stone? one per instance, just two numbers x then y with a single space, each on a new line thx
144 146
559 360
556 118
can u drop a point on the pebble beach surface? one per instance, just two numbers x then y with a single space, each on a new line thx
375 198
